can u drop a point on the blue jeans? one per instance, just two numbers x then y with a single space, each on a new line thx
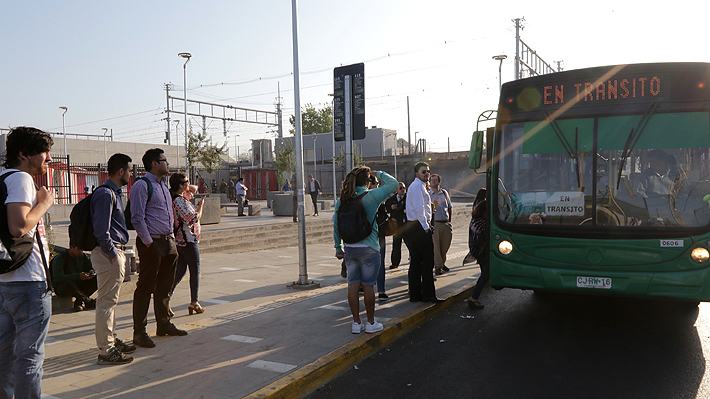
25 308
363 263
188 257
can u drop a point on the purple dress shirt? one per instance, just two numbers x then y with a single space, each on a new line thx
155 216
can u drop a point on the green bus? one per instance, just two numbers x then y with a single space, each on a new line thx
599 182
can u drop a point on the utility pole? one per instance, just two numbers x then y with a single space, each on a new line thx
517 47
409 130
278 112
167 97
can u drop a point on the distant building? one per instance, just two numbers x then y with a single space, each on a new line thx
378 142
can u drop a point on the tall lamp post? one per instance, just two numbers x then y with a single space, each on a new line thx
105 155
500 67
64 132
186 56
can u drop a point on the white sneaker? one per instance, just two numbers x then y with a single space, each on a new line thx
358 327
374 327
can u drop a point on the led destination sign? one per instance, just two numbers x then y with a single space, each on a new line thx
640 87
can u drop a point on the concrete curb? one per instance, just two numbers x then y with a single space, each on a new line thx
311 376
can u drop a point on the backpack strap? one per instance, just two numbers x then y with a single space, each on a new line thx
150 186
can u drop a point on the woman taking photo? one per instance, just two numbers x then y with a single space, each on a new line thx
187 236
362 258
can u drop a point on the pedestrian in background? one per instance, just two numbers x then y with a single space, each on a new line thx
313 188
73 276
109 259
25 293
241 195
187 236
443 230
362 259
396 220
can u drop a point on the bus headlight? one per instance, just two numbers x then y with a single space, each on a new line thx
700 255
506 247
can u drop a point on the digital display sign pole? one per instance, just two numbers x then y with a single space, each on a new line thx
349 107
348 127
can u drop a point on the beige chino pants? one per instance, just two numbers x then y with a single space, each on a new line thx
443 233
109 278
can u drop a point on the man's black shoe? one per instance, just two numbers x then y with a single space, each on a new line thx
393 266
444 268
90 303
415 299
123 347
77 305
438 272
114 357
433 299
143 340
170 329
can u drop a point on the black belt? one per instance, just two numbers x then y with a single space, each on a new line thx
161 236
441 221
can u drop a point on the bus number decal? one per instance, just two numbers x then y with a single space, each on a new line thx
671 243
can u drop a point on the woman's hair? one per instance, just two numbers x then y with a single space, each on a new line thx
359 176
479 210
176 180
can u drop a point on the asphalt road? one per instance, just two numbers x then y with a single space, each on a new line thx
527 345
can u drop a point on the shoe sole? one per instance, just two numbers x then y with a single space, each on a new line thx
372 332
107 363
162 334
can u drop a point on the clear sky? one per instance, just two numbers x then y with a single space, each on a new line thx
108 62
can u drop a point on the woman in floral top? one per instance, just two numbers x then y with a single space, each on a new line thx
187 235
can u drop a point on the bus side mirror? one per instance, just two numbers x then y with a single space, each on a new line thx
474 156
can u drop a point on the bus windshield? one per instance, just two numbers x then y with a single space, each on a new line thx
646 170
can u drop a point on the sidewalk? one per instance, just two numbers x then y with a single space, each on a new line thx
258 338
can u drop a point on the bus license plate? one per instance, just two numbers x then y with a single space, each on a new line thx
594 282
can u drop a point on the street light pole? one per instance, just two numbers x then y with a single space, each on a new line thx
177 142
186 56
105 154
500 67
64 132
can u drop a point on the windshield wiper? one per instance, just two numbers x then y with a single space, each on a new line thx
572 152
634 137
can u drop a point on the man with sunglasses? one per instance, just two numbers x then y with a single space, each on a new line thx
395 208
418 236
153 221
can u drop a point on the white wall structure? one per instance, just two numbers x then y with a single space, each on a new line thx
91 151
378 142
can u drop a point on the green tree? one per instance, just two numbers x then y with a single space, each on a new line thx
313 120
357 156
285 161
201 150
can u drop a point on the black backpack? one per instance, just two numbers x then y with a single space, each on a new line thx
353 224
81 227
18 250
127 212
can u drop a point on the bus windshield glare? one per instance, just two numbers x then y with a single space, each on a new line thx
647 170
